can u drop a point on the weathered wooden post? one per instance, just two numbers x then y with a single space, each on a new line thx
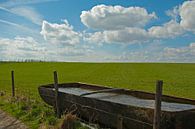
157 110
57 108
13 84
119 122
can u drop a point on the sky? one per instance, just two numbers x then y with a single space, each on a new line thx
98 30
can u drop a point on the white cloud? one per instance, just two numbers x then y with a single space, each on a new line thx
72 51
155 52
170 52
149 53
13 3
169 29
18 7
118 24
14 29
181 54
187 14
28 13
21 48
126 35
18 26
173 13
182 19
192 45
184 14
97 37
115 17
60 33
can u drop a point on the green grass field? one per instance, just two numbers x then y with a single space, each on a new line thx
179 79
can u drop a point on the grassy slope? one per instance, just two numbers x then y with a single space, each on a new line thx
179 78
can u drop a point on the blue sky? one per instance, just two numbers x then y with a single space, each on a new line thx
98 30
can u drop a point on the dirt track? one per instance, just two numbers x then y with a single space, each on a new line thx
8 122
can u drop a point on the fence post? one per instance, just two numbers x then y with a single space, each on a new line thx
13 84
57 108
119 122
157 110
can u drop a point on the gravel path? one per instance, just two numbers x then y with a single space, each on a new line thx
8 122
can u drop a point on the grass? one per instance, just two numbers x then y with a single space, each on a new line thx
30 111
179 80
35 114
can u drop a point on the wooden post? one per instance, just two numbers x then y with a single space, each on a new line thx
13 84
57 108
119 122
157 110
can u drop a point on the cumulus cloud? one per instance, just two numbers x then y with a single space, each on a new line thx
97 37
173 13
115 17
188 50
152 52
60 33
73 51
155 52
21 48
169 29
181 54
187 14
127 25
117 24
184 15
126 35
182 19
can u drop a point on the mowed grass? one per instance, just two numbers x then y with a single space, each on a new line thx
179 79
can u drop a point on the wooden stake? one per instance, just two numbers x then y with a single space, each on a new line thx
119 122
13 84
57 108
157 110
